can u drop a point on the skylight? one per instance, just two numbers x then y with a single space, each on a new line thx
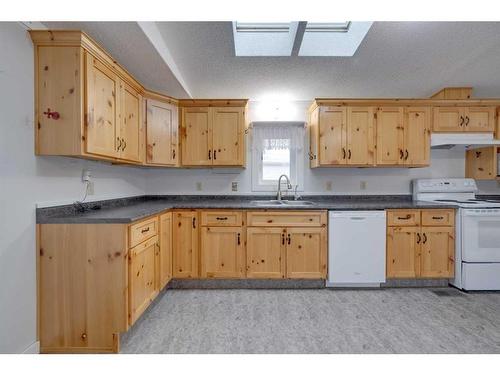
298 38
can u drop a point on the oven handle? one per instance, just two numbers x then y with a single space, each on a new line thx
482 213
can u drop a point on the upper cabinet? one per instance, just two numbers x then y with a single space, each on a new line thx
403 136
464 119
213 133
162 126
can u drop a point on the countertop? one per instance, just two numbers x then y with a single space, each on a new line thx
127 210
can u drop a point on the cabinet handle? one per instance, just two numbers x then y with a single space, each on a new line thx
194 223
343 153
425 238
173 154
222 218
145 230
418 238
407 217
311 155
215 154
438 217
349 154
467 121
124 144
209 154
406 154
239 240
52 114
282 238
461 121
401 154
289 239
119 143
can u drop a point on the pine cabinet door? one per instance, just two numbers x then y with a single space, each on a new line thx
481 163
161 130
403 249
102 133
438 249
479 119
142 286
448 119
306 253
165 253
417 130
196 136
390 136
266 253
360 136
185 244
228 136
222 252
332 135
130 130
314 138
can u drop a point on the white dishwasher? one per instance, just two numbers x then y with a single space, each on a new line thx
356 248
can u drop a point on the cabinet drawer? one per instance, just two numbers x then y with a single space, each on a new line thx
403 218
142 231
438 217
286 219
221 218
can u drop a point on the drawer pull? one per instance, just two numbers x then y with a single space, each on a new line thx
145 230
222 218
407 217
438 217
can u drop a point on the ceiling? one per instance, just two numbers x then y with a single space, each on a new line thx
396 59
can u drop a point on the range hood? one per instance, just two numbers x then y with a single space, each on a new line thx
462 140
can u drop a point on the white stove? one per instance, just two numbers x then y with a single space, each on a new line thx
477 233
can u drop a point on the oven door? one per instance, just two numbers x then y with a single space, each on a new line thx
481 235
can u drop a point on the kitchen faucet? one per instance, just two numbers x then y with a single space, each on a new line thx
289 185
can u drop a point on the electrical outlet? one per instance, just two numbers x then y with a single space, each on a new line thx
234 186
90 188
328 185
362 185
86 175
198 186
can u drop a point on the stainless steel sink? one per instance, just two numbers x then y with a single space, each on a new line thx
298 203
270 202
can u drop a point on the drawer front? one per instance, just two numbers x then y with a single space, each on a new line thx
221 218
438 217
405 218
286 219
142 231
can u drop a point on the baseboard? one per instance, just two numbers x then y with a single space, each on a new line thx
33 348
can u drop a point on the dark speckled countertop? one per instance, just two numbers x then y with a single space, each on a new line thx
127 210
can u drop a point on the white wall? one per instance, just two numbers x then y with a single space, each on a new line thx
26 180
444 163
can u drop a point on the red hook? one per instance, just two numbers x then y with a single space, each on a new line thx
54 115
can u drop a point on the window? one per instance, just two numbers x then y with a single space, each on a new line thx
277 148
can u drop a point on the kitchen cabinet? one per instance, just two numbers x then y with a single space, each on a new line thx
403 136
161 133
86 104
331 126
286 244
464 119
222 252
360 136
142 277
164 263
481 163
213 136
185 248
420 243
265 253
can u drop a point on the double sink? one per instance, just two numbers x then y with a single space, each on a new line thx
283 203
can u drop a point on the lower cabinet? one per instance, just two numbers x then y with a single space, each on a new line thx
142 277
266 253
305 253
423 248
164 261
185 248
222 252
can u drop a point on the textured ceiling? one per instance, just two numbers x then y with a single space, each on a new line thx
128 44
396 59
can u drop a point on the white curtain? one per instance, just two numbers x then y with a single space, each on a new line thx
278 136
